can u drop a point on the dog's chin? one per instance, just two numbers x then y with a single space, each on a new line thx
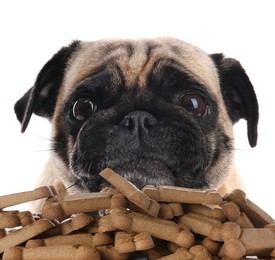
146 173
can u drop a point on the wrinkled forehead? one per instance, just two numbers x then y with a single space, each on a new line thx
135 59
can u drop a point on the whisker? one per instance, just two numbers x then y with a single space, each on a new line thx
74 184
39 151
44 138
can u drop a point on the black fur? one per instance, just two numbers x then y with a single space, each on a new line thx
41 98
238 94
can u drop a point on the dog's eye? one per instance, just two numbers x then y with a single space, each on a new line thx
83 108
195 104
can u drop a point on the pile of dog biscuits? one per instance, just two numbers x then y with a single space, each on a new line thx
124 222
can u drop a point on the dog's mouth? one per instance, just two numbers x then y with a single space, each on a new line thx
140 172
146 172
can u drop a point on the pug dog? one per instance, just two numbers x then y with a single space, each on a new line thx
156 111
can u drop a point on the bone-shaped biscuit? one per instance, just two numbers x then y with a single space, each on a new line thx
252 241
24 234
170 210
27 196
204 210
211 228
232 249
59 207
69 225
257 241
157 252
257 216
182 195
130 191
126 242
212 246
10 219
195 252
84 239
233 213
110 252
64 252
101 224
160 228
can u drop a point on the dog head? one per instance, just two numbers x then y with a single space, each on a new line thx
158 112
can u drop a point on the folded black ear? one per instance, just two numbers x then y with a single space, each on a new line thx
41 98
238 94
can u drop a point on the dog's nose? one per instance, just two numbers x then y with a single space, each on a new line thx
138 122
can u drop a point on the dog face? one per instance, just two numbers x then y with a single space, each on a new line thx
158 112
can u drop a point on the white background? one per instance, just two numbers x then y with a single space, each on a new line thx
31 31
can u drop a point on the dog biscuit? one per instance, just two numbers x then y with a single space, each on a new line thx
60 207
84 239
112 225
257 216
27 196
204 210
101 225
211 228
157 252
170 210
63 252
232 249
180 253
134 195
212 246
182 195
110 252
10 219
70 225
258 241
195 252
24 234
160 228
126 242
232 211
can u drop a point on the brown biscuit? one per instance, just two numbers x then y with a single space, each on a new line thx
10 219
212 246
232 211
60 207
170 210
110 253
101 224
160 228
257 216
258 241
27 196
195 252
182 195
84 239
215 213
64 252
129 190
126 242
70 225
24 234
211 228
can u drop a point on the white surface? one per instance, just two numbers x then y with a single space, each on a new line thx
31 31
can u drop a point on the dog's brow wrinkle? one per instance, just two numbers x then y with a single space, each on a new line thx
130 49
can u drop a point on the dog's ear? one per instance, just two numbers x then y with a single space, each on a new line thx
41 98
238 94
